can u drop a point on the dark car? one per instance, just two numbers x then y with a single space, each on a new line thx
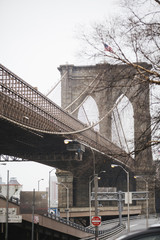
152 233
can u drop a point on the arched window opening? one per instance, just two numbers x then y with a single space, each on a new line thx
155 126
123 125
88 113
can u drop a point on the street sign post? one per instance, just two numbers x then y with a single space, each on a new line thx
11 219
96 221
12 216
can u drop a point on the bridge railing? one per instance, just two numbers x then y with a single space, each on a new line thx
18 90
16 201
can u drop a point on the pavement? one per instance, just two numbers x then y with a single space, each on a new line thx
137 225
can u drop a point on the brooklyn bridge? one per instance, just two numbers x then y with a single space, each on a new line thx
35 128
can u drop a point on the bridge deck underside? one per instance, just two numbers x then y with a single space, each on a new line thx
46 149
34 128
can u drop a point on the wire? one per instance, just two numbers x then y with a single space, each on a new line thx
117 129
83 92
56 84
85 98
122 129
64 133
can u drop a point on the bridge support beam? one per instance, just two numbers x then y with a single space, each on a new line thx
78 190
66 178
81 192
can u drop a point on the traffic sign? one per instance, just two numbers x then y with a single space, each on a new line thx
11 219
36 219
96 221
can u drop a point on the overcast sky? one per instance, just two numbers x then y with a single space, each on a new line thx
37 36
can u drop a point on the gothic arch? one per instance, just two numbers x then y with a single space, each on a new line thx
89 113
122 130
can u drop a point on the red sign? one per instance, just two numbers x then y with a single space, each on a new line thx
36 219
96 221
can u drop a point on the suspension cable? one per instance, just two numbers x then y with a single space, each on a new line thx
83 92
122 129
56 84
63 133
117 129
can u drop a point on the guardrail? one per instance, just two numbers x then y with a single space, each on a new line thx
116 220
70 223
104 234
16 201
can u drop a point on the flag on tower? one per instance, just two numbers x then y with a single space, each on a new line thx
108 48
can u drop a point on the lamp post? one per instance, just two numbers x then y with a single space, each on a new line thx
113 166
33 209
90 182
66 141
49 190
96 190
7 199
60 183
96 203
146 197
39 182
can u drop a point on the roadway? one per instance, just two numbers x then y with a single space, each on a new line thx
137 225
112 231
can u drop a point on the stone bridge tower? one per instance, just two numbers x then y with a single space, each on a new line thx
105 83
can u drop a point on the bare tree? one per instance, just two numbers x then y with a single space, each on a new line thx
134 37
131 39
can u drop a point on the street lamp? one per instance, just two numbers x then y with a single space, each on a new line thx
66 141
60 183
49 190
113 166
90 182
146 197
96 207
7 199
95 189
39 182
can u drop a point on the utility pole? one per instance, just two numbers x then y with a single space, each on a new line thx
33 209
7 198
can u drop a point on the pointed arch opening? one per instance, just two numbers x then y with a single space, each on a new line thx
155 127
88 113
123 125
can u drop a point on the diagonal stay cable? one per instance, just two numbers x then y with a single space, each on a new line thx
117 129
56 84
63 133
85 99
122 128
83 92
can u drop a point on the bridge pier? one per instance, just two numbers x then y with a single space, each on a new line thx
81 192
65 178
103 82
78 189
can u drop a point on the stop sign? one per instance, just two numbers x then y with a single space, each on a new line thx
96 221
